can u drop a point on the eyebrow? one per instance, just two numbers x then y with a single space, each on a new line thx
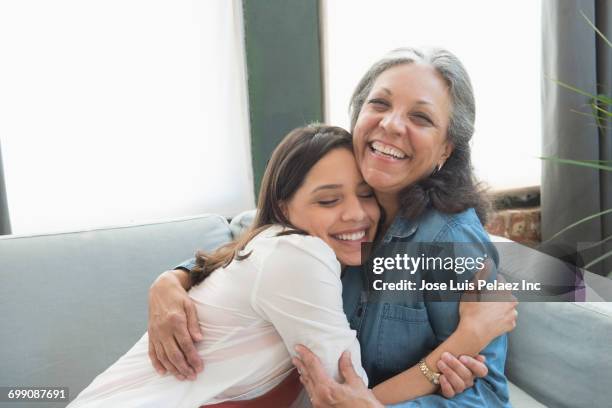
327 187
419 102
334 187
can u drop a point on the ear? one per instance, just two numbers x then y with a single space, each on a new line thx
448 150
284 208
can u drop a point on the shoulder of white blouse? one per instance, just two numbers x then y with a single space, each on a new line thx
297 247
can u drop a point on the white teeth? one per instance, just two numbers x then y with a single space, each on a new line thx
353 236
388 150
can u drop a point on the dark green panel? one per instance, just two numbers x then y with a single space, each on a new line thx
284 72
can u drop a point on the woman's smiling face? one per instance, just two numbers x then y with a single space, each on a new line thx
335 204
400 135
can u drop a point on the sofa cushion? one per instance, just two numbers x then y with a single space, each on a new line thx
561 353
241 222
72 303
520 399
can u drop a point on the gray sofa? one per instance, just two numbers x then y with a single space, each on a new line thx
72 303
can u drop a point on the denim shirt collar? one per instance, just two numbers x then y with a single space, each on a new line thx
400 228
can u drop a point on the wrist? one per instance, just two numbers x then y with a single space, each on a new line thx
431 374
374 402
473 331
172 279
182 277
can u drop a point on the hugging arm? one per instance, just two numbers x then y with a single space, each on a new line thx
410 388
173 325
470 328
480 330
467 339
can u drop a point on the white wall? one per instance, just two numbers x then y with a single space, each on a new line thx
122 111
498 41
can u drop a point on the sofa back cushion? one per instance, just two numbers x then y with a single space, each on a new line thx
560 352
241 222
72 303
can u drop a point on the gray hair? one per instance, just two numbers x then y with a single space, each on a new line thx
463 109
454 188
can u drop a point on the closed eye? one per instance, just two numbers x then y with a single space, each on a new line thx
327 202
369 194
378 103
422 119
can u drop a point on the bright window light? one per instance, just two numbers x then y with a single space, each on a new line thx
499 43
122 111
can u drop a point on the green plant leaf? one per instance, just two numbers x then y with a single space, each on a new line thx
596 244
598 161
596 30
600 109
605 99
585 219
583 163
598 259
602 98
594 116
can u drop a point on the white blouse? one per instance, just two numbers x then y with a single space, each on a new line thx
252 313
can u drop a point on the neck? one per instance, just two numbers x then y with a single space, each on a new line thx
390 203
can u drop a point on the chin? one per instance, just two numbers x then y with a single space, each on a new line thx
379 180
350 260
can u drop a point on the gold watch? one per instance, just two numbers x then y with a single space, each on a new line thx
431 376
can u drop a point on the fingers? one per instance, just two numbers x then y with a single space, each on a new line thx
155 361
174 338
318 384
177 358
192 321
346 368
456 373
305 378
481 275
481 358
304 375
484 273
445 388
161 354
311 363
476 366
187 360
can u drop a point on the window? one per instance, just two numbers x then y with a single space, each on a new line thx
499 43
122 111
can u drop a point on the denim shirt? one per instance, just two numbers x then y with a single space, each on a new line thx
395 334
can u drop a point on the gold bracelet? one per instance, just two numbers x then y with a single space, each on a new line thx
431 376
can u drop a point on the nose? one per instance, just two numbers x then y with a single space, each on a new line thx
393 123
353 210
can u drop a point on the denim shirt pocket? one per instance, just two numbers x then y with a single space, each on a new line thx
404 337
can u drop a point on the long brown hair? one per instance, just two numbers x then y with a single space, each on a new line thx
291 161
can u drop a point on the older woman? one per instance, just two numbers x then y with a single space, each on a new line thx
412 117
